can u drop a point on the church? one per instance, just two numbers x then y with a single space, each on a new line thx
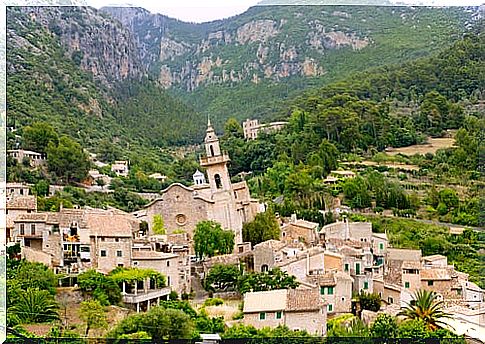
182 207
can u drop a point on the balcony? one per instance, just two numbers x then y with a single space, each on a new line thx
205 161
149 295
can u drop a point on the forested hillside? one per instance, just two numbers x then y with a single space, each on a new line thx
245 65
57 75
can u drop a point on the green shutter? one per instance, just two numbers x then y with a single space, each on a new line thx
262 316
330 290
322 290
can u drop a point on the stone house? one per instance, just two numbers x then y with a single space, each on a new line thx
17 189
15 206
299 231
266 254
252 127
359 264
336 290
299 309
79 239
174 267
120 168
35 158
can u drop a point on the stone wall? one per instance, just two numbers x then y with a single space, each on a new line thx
179 210
111 246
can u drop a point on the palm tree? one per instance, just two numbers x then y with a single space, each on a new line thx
426 307
34 306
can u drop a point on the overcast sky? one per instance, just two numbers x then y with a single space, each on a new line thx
207 10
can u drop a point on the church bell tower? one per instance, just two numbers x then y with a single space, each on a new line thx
215 162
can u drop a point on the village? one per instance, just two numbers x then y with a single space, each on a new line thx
332 264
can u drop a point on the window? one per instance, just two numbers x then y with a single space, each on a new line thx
117 239
330 290
212 150
406 285
135 263
119 253
346 267
168 280
322 290
390 300
366 285
430 283
22 229
264 268
217 179
32 229
330 307
103 253
381 246
357 268
262 316
121 265
168 262
278 315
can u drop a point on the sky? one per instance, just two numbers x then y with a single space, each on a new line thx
206 10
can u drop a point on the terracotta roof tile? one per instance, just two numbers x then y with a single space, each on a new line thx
303 300
22 203
435 274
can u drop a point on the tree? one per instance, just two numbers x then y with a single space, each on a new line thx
93 314
271 280
233 128
222 277
427 308
158 225
210 239
67 160
371 302
36 276
384 326
38 136
263 227
34 306
159 323
101 287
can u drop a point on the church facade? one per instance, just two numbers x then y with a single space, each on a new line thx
217 199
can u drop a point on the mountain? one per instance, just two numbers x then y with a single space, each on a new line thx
79 70
130 77
244 65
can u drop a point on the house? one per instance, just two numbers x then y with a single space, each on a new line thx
298 309
17 189
267 254
120 168
336 290
158 176
176 268
35 159
252 127
79 239
98 178
15 206
298 232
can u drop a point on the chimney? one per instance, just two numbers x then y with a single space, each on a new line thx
293 218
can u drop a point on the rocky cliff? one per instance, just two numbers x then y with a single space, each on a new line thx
94 41
273 43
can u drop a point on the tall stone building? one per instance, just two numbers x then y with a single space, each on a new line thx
227 203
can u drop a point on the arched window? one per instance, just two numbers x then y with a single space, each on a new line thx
212 150
264 268
217 179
